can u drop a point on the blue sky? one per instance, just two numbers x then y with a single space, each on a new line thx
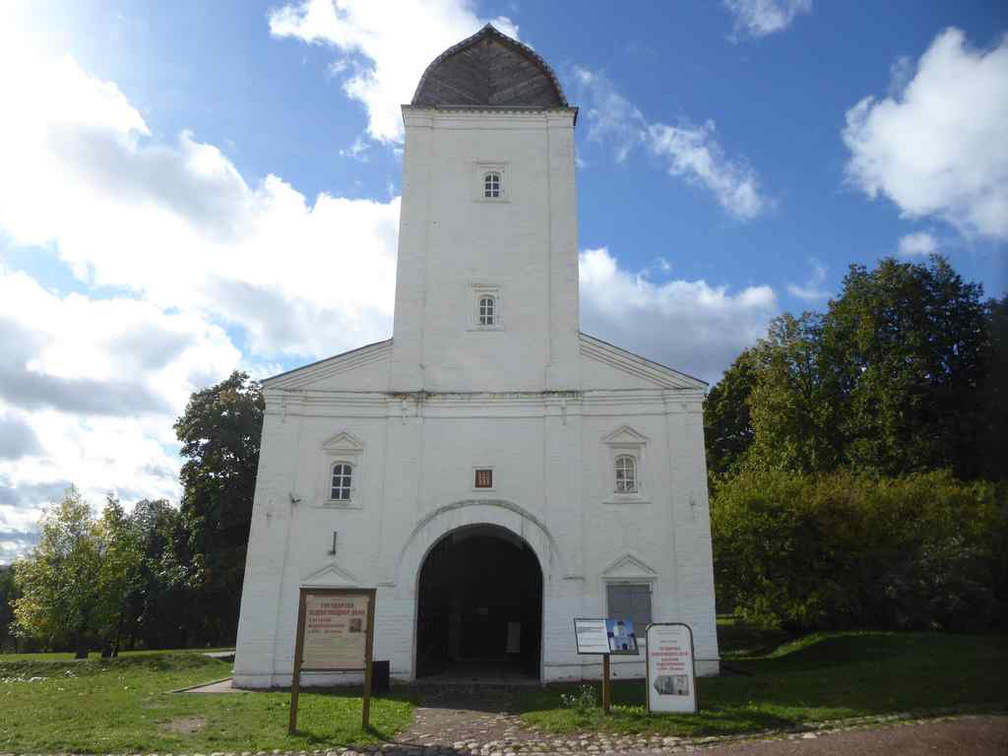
191 187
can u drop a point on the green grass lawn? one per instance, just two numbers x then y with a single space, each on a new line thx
818 677
69 655
124 706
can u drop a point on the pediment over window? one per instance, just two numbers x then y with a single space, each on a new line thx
625 436
629 567
344 442
331 576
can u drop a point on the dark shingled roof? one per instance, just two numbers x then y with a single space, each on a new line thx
489 69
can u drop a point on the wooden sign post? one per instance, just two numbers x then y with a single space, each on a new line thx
603 637
335 633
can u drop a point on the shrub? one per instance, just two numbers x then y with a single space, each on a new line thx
925 551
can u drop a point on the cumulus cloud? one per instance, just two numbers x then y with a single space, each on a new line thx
938 146
178 224
172 245
689 325
918 244
812 289
382 61
759 18
688 151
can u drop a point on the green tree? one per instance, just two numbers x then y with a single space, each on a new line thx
75 581
8 593
728 428
220 434
906 347
793 402
162 605
119 551
59 578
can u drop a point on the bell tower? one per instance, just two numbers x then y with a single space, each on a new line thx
487 279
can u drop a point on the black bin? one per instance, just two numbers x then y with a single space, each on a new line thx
379 677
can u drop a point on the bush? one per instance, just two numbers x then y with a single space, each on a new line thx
842 550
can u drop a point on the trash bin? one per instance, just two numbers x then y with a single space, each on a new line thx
379 677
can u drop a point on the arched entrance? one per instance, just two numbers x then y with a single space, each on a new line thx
479 605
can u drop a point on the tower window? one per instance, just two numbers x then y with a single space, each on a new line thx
342 476
487 310
492 185
626 474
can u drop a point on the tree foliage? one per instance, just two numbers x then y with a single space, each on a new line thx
220 433
904 372
74 582
846 549
8 593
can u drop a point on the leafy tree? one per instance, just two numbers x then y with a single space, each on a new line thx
220 433
75 581
905 344
8 593
120 555
793 403
161 603
846 549
59 578
728 428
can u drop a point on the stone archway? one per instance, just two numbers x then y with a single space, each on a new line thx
479 606
439 523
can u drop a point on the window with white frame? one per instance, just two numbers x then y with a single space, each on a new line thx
626 473
492 184
487 315
342 481
630 601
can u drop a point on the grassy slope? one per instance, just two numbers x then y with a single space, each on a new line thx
823 676
123 706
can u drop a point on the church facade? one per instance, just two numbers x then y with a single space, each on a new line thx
492 471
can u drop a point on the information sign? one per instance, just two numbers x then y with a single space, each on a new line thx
621 637
671 679
335 633
591 636
335 636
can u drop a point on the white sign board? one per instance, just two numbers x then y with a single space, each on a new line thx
592 636
671 680
335 631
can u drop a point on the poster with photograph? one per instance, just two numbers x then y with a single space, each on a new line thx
622 638
671 681
335 631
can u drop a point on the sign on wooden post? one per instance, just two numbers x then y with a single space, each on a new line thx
604 637
671 676
335 633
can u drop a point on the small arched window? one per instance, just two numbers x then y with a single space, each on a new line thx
487 310
492 185
342 478
626 474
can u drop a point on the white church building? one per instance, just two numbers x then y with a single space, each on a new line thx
491 470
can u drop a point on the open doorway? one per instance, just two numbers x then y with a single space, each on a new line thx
479 606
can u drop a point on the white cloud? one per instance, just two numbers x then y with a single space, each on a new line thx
386 44
759 18
89 389
939 145
179 225
688 325
918 244
687 151
812 289
90 385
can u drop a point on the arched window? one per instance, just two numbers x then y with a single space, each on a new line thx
626 474
342 477
492 185
487 310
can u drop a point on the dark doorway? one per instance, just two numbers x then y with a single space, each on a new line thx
479 605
